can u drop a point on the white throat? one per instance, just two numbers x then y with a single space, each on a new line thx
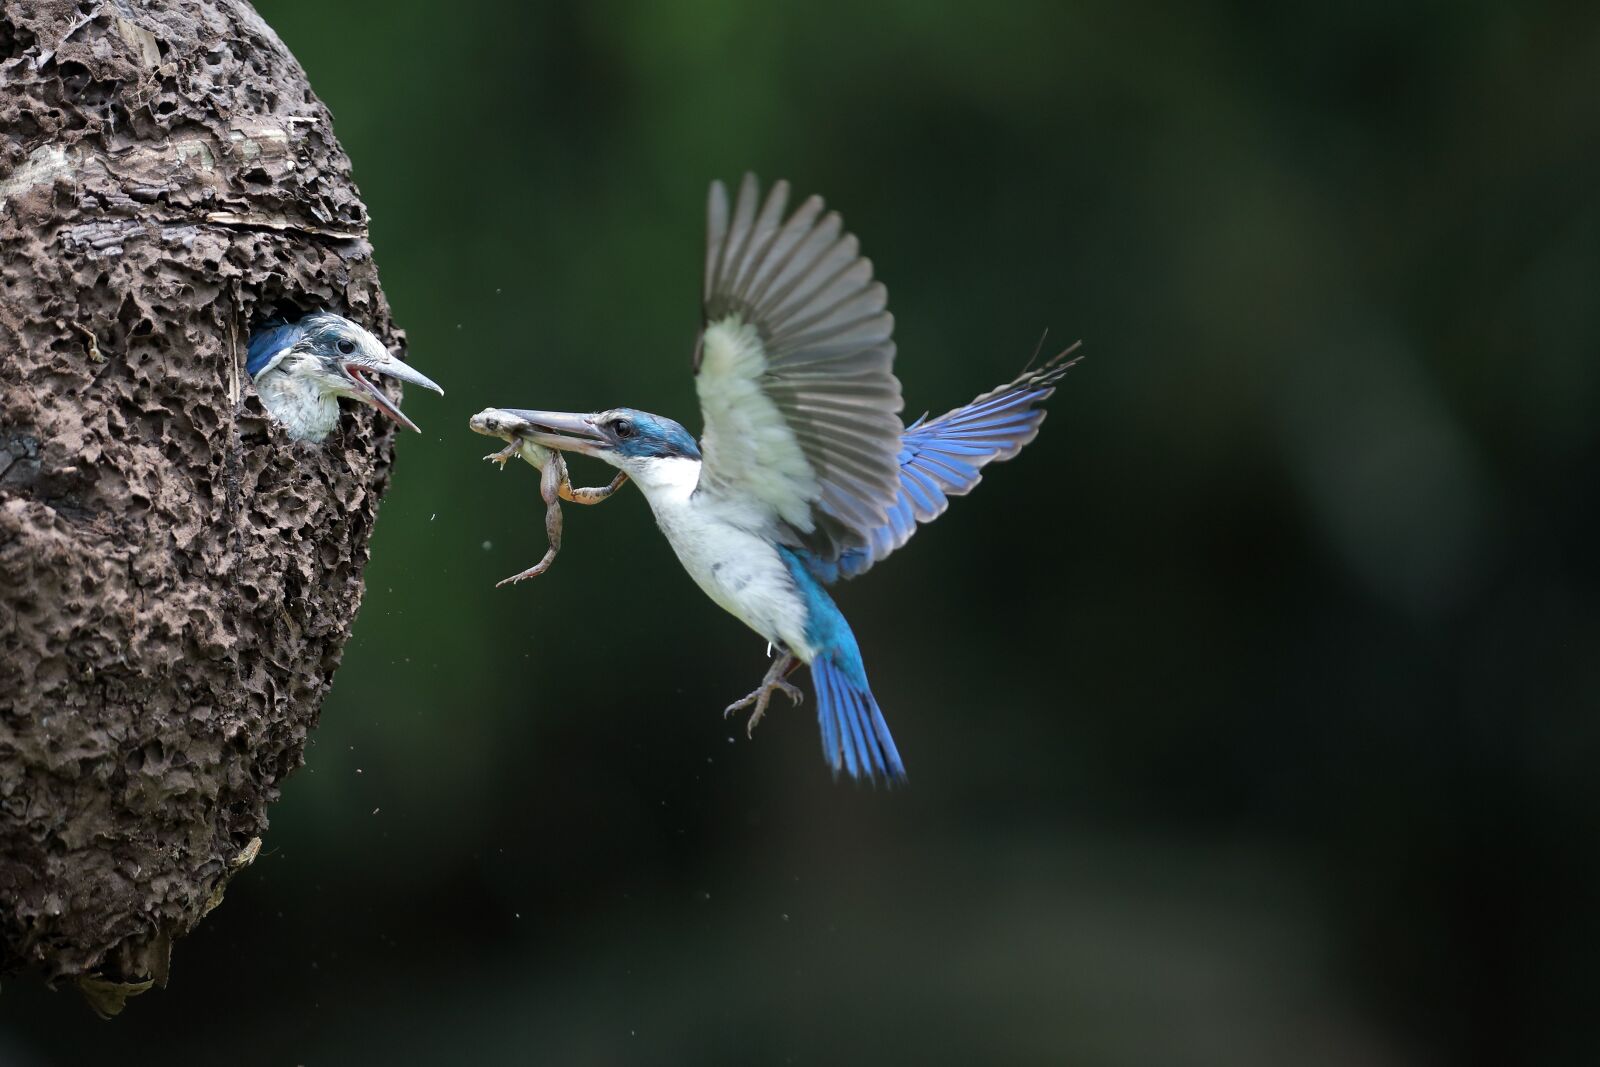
301 406
665 480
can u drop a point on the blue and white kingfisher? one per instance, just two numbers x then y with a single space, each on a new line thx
301 369
804 474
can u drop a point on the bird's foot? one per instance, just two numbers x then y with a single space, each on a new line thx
504 456
760 698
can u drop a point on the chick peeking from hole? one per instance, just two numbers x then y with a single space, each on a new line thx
301 370
555 485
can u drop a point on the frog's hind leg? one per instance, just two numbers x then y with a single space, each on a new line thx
551 479
591 496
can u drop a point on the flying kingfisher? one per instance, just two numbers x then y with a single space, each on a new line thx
301 370
804 474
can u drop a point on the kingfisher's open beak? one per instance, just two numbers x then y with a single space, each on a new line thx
363 371
562 430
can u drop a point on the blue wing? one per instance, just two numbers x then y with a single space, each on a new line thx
274 339
945 457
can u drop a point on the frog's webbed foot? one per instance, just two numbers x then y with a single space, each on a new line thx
505 455
533 571
771 683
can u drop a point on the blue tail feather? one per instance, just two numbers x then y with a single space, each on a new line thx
858 757
826 718
855 737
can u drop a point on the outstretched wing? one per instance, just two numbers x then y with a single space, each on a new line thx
794 370
944 457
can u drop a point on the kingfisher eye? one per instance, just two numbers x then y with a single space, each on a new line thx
347 347
622 428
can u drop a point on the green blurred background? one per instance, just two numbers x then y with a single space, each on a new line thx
1250 714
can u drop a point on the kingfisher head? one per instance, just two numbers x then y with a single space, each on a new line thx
628 439
329 356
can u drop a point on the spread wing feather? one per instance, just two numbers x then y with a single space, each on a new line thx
794 369
944 457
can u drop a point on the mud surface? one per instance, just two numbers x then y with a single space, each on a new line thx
177 579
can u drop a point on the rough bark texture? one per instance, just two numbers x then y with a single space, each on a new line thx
177 579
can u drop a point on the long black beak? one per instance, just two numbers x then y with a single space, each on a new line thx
564 430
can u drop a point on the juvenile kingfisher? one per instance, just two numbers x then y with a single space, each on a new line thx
804 474
301 370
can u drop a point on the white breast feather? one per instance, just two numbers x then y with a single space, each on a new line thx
748 445
304 410
728 557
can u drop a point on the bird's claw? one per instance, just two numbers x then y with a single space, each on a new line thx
760 698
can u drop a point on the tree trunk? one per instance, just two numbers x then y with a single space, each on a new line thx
177 578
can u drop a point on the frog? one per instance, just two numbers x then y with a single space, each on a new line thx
555 481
